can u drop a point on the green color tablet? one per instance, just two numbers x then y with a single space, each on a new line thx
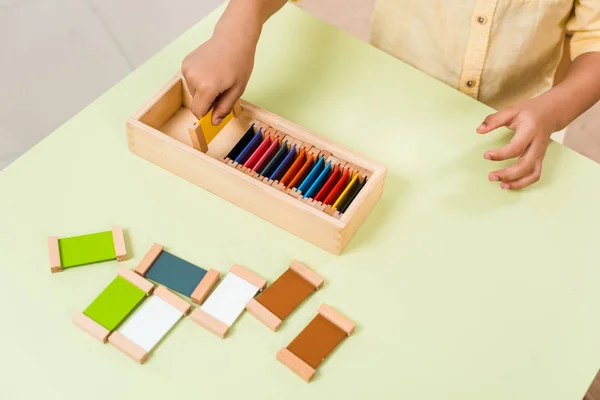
86 249
115 302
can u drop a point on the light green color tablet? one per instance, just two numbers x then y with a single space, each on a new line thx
86 249
115 302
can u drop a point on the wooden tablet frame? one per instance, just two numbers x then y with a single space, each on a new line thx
295 362
54 249
279 292
201 291
211 323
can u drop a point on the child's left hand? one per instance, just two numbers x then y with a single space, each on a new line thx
533 124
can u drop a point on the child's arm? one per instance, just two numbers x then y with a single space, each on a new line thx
218 71
535 120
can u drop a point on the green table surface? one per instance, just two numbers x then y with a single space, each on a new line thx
459 290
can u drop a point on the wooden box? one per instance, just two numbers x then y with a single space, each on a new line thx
160 133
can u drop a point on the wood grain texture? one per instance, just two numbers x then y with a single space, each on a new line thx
119 242
308 274
233 185
54 254
128 346
297 365
137 280
262 313
162 105
149 258
251 277
177 302
205 286
168 148
209 323
237 109
337 318
90 326
197 137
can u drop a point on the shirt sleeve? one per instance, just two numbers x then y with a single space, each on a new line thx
584 25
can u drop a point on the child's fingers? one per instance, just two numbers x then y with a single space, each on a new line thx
515 148
521 168
524 165
203 99
225 104
527 180
527 165
497 120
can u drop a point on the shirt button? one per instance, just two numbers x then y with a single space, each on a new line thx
482 19
471 83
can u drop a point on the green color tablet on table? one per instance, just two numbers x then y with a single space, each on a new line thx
86 249
424 279
114 304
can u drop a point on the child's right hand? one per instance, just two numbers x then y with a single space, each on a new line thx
217 73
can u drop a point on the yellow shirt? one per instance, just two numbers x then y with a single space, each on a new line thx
497 51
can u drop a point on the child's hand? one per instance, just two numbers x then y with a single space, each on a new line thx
217 73
533 123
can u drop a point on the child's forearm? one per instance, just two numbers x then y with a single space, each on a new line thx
218 71
579 91
245 18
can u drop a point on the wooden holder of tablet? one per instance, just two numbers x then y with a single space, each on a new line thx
112 243
284 295
177 274
166 133
320 337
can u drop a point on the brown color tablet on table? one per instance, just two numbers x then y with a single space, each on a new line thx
305 353
284 295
